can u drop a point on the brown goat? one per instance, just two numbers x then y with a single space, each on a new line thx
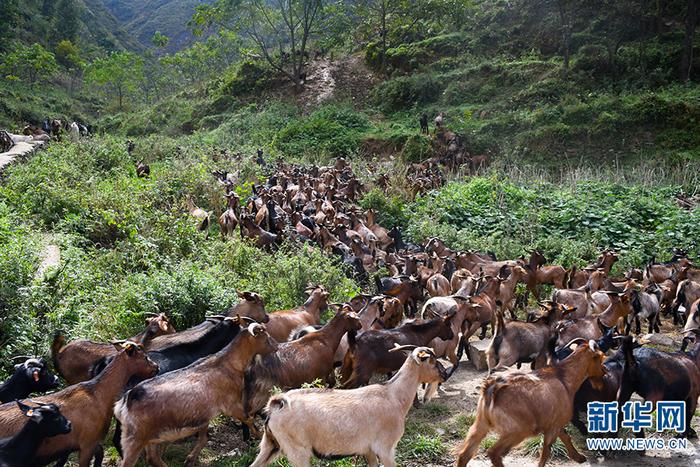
228 219
297 362
159 410
438 286
283 323
518 342
88 406
369 351
518 406
593 327
74 360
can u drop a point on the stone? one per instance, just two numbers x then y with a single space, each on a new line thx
477 353
659 339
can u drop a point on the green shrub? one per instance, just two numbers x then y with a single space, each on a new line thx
330 131
407 91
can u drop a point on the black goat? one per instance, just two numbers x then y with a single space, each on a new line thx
28 377
43 422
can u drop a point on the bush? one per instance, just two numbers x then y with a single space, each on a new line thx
330 131
407 91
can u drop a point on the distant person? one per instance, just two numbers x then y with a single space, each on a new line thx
260 159
46 126
424 123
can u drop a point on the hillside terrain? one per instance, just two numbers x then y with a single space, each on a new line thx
569 128
141 19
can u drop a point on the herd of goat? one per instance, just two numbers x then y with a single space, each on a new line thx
163 385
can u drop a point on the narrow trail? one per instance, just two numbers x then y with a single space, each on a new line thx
50 258
320 84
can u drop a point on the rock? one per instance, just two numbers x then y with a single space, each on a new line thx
659 339
477 353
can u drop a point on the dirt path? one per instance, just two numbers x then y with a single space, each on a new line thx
50 258
320 84
461 394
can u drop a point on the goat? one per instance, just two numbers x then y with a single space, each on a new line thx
74 360
200 215
261 237
333 423
368 353
519 406
87 405
386 309
688 292
438 285
646 305
614 366
691 324
143 170
593 327
406 289
282 323
662 376
159 410
43 422
228 219
30 376
506 291
518 342
298 362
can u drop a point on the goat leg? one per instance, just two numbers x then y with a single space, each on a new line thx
153 455
570 448
202 438
98 454
503 447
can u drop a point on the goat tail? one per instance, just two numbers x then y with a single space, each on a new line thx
572 277
500 327
568 274
205 224
59 341
277 403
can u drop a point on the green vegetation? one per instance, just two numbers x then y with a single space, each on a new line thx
588 112
128 247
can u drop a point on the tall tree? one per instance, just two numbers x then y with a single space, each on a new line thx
29 63
118 74
67 22
692 11
278 30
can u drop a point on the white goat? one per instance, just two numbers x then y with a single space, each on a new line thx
334 422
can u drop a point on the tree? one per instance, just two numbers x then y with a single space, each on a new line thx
279 30
68 54
31 63
118 74
392 22
160 40
67 23
692 14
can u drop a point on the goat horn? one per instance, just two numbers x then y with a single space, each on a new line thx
574 341
215 317
398 348
248 319
618 337
685 331
23 357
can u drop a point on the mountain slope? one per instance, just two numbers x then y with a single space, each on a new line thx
144 17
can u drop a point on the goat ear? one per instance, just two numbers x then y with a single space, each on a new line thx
26 410
119 345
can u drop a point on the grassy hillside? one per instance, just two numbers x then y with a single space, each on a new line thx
142 18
